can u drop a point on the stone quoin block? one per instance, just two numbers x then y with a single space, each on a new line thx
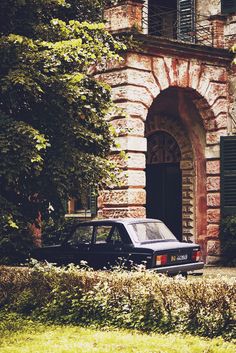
213 215
132 93
213 247
213 183
127 197
136 160
133 178
143 78
212 151
212 138
131 77
131 143
130 126
213 199
213 167
113 78
213 230
130 161
133 109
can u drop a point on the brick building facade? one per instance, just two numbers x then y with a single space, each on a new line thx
176 92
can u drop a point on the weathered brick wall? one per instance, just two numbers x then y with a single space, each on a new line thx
124 16
208 8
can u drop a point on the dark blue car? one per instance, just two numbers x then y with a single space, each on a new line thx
108 243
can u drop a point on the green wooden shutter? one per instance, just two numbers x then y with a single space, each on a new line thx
228 6
186 20
228 175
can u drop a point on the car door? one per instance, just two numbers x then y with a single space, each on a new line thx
109 248
76 248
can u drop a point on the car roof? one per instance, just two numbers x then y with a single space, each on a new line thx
119 220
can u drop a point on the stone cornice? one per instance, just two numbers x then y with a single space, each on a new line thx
152 45
124 2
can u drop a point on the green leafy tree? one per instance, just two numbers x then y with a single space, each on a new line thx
54 140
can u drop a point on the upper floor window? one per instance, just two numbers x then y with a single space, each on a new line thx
228 6
171 19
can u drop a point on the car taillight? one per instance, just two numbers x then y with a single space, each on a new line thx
161 260
196 255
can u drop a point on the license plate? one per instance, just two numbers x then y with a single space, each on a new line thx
178 257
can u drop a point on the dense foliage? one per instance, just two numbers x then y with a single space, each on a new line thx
54 140
135 300
228 240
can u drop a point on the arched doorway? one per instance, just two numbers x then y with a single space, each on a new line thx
174 115
164 181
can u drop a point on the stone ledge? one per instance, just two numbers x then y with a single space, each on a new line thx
123 212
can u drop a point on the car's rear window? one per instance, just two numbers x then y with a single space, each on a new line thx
151 231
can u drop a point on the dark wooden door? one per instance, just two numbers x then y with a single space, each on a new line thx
164 195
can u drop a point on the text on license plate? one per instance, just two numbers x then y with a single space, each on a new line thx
179 257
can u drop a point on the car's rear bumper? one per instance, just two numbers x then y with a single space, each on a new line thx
175 269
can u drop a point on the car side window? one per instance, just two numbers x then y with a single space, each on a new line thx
81 235
115 237
102 233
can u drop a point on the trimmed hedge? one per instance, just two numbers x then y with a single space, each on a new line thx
137 299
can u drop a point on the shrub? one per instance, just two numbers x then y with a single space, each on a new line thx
137 299
228 240
54 232
15 244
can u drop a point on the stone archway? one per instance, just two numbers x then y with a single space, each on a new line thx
201 86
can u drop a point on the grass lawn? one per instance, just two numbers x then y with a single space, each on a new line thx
38 338
211 271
